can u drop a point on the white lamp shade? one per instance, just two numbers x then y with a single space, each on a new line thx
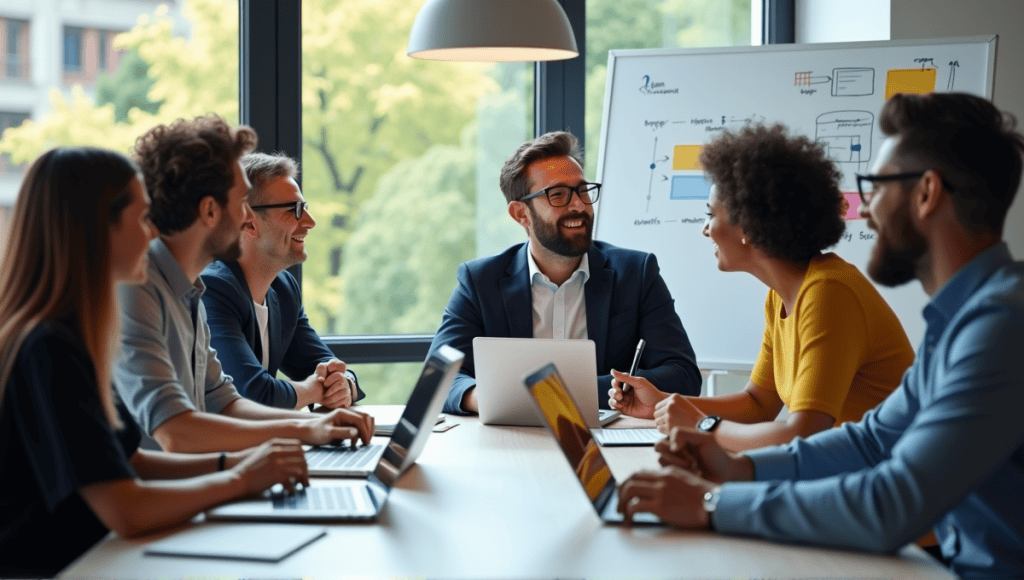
492 31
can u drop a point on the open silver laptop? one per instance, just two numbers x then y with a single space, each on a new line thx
562 417
346 461
501 363
363 499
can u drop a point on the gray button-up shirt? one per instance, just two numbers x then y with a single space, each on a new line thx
166 365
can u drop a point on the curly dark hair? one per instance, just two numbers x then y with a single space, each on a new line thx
975 147
186 161
782 189
513 181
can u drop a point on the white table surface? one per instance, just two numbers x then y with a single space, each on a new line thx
501 502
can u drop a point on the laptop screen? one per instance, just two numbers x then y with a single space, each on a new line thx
561 415
420 414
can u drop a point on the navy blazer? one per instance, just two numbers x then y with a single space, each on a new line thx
295 348
626 300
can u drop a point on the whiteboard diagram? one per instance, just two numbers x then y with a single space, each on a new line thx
654 194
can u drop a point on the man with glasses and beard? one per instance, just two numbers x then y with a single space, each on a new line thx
946 449
562 285
254 305
167 374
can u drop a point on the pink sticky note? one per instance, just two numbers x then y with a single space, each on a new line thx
852 205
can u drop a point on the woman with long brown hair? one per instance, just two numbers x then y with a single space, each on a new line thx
71 465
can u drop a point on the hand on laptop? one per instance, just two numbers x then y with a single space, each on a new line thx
278 461
639 401
698 452
338 425
673 494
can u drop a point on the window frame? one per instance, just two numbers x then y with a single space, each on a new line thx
274 64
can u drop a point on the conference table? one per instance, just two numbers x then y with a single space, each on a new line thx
502 502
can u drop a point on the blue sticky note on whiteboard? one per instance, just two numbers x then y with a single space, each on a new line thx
690 187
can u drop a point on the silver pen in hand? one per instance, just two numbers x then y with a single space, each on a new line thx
636 363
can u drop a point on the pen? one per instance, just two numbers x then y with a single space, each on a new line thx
636 363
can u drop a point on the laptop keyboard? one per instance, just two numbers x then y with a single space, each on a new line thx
317 499
341 457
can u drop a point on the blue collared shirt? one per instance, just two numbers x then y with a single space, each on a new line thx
166 365
945 450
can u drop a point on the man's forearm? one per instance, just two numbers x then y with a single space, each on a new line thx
197 432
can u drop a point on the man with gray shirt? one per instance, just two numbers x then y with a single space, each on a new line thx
167 374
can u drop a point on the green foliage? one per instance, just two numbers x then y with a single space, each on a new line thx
128 88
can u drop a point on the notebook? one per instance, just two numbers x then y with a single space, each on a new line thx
562 417
362 499
269 543
345 461
502 362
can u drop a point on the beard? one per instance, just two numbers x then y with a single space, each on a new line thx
550 235
224 244
895 263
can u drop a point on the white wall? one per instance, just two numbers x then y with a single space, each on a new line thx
841 20
943 18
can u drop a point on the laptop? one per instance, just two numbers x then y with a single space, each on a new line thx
502 362
346 461
360 499
562 417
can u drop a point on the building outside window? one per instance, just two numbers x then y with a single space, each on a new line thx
73 39
14 43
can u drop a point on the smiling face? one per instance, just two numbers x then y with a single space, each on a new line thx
280 238
898 245
729 248
130 236
567 230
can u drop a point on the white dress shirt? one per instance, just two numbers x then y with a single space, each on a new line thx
559 311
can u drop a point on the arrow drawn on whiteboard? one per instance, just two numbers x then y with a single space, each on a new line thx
664 178
650 184
953 65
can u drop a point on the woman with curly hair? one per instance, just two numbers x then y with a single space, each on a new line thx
832 347
71 466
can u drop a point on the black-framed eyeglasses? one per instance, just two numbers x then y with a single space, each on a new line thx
297 207
561 195
866 195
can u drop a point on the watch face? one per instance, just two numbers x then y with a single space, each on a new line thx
707 424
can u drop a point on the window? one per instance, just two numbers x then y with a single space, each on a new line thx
15 48
73 49
622 24
400 166
82 71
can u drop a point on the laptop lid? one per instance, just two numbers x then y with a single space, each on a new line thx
556 405
500 364
420 415
410 432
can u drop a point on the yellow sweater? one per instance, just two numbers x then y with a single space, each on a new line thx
842 349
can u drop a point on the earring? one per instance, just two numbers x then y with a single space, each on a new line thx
743 241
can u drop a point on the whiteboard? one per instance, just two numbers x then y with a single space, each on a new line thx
662 105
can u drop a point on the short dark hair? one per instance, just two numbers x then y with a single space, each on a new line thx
186 161
262 168
967 140
782 189
513 181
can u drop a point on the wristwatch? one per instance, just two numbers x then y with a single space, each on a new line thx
708 424
711 502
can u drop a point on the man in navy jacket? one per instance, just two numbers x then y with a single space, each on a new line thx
254 306
562 285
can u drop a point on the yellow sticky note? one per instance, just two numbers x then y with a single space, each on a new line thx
685 157
911 80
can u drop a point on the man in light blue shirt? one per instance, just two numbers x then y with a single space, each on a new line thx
946 449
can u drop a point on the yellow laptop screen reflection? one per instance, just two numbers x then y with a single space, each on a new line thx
572 434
